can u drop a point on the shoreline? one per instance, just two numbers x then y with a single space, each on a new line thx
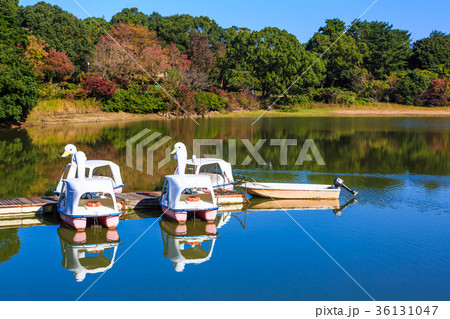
337 111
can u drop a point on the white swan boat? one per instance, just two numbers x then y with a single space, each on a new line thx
82 199
105 169
183 193
188 193
93 169
218 170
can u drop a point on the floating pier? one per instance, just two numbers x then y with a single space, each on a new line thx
31 211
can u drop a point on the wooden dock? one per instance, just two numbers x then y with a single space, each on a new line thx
30 206
27 206
24 211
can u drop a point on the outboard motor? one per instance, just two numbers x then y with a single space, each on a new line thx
340 183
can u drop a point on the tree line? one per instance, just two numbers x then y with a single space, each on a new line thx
151 63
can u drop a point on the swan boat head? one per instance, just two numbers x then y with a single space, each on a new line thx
180 154
69 149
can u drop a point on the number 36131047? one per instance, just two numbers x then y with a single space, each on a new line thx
406 310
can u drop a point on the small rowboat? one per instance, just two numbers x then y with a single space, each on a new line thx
291 190
297 191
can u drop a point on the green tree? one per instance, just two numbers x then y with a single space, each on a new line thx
179 29
96 28
131 16
236 68
432 53
389 49
61 31
210 101
341 52
10 32
217 73
276 60
413 85
18 93
17 84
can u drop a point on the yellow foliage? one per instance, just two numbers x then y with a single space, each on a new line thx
36 54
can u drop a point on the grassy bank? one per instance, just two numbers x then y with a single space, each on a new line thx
60 111
57 107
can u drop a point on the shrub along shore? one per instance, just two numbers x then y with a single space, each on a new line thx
63 111
181 63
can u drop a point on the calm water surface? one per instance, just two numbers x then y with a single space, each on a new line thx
394 241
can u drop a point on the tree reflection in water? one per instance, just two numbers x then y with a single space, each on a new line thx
9 244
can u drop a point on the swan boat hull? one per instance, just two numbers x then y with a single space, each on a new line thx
80 223
181 216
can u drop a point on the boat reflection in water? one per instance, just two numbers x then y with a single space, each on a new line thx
190 243
264 204
88 252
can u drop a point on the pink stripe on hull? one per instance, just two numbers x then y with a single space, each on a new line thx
110 222
208 215
79 223
179 216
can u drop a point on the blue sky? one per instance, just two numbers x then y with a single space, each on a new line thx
301 18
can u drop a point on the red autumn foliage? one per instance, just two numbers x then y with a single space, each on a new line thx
186 97
138 36
154 60
98 87
438 92
57 66
242 100
121 81
177 61
200 53
145 48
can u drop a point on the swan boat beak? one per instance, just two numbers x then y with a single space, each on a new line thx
174 151
65 154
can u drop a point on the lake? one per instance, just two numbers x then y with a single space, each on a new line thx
390 244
